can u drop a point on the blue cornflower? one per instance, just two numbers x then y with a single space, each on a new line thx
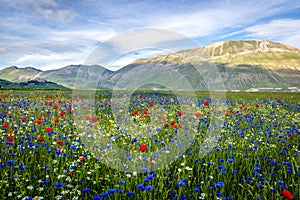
181 183
143 169
58 184
273 190
257 169
130 194
97 197
10 162
219 194
112 190
197 190
86 190
104 195
260 185
149 188
141 187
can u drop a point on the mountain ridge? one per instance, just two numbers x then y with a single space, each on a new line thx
242 64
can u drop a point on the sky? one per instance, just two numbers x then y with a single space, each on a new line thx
50 34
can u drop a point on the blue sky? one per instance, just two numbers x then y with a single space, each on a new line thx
48 34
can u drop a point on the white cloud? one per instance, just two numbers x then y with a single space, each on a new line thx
285 30
200 22
49 9
122 44
53 61
132 56
89 34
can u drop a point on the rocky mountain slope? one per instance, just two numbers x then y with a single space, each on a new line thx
231 65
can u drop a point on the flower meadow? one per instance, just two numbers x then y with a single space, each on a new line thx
57 146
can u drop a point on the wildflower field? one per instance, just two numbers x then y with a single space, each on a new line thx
57 146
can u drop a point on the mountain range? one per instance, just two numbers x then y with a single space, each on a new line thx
240 65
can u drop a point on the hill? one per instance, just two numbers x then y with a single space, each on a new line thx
32 84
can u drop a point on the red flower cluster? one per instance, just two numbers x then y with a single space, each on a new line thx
206 103
10 138
48 129
197 114
287 194
143 148
59 142
5 125
136 112
38 121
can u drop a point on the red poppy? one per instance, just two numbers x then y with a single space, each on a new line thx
143 147
10 138
41 139
95 127
55 107
48 129
151 104
62 113
59 142
257 105
94 119
38 121
179 113
136 112
206 103
56 121
88 117
70 173
69 110
5 125
23 119
197 114
81 158
287 194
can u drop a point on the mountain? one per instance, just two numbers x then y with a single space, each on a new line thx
65 76
31 84
242 65
239 65
68 75
16 74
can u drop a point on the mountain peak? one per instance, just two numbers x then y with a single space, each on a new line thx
243 47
